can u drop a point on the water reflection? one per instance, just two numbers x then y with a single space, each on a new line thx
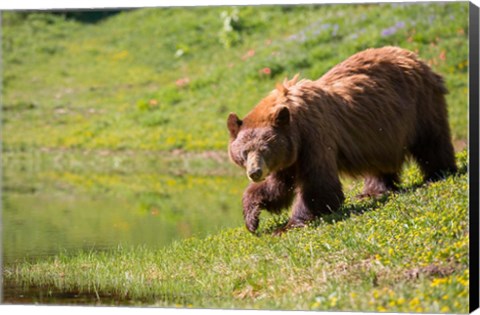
58 204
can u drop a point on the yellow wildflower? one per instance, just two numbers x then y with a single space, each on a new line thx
381 309
438 281
414 302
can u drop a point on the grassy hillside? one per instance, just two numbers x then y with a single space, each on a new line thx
161 82
163 79
407 253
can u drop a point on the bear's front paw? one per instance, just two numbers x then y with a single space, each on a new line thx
251 222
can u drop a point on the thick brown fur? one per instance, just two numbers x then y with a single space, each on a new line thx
362 118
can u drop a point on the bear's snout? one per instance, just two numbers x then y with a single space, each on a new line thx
255 174
256 168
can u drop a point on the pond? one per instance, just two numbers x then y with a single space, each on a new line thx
58 201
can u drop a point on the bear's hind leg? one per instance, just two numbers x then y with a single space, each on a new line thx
432 147
377 186
435 155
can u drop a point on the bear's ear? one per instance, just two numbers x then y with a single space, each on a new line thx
281 117
282 89
233 124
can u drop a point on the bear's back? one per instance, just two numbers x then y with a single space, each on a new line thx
379 97
384 67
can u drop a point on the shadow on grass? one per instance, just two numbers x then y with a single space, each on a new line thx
88 16
359 206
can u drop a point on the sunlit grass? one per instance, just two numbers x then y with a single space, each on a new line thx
122 83
159 83
407 253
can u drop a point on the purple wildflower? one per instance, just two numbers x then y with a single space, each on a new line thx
389 31
292 37
325 26
393 29
335 30
300 37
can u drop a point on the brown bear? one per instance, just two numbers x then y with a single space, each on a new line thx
362 118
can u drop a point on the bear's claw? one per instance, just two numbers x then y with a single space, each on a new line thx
251 223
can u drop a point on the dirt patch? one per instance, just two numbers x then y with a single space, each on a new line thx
431 270
219 156
459 145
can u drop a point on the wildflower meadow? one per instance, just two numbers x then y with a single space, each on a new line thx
118 190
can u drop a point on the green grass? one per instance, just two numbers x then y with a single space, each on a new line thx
160 83
404 253
122 83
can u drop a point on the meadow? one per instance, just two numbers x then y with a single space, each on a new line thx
145 80
405 253
117 127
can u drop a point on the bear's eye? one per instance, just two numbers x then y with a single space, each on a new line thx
244 155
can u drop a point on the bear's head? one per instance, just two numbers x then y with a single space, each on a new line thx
263 142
